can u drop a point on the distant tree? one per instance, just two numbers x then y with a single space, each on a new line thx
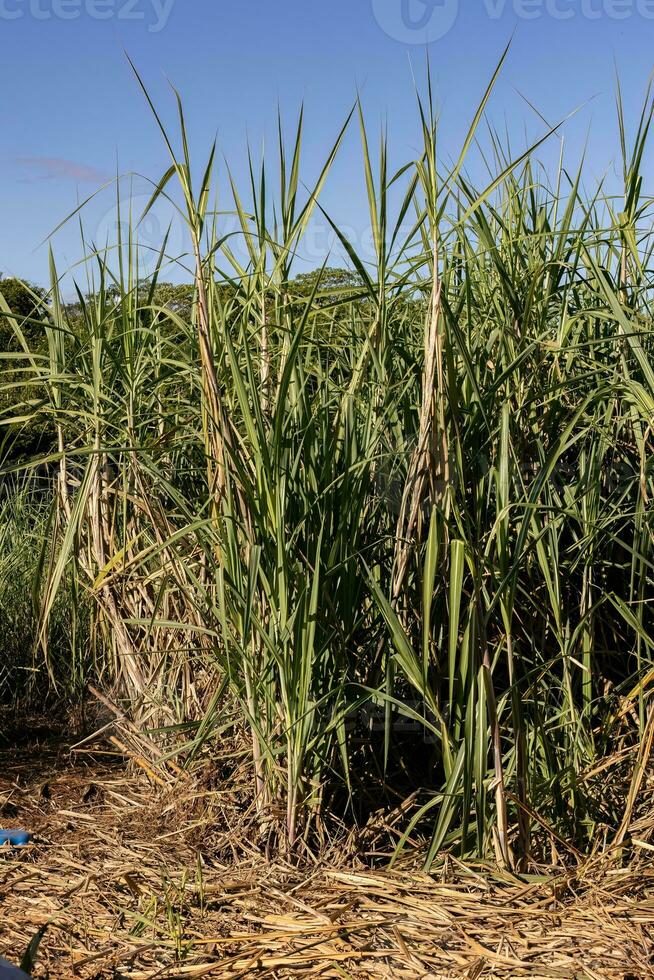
27 301
337 293
178 298
333 285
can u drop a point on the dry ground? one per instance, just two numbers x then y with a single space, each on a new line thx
130 888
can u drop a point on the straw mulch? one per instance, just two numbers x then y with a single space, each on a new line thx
135 881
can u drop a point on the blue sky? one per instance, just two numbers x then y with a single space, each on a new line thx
71 111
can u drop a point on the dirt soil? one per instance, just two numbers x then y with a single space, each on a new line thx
130 879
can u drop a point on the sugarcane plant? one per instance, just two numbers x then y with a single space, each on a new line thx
425 491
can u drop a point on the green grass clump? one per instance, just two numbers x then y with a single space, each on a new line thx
421 486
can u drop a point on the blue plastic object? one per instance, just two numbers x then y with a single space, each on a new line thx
7 970
17 838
